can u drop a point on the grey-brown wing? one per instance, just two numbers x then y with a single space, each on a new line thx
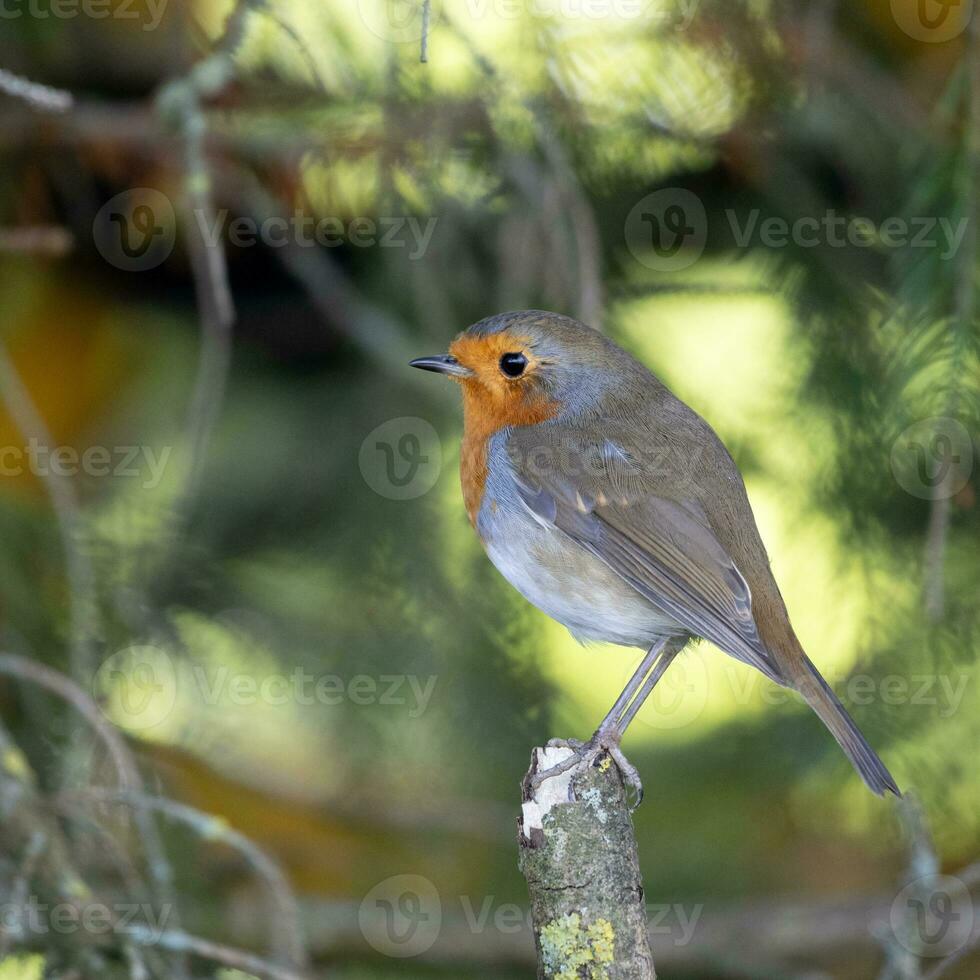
602 496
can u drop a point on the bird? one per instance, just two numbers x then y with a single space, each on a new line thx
614 508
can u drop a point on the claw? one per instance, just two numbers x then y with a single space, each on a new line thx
585 754
628 771
573 761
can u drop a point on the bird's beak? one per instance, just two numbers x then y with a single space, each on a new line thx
443 363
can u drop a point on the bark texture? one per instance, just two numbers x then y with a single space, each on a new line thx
578 854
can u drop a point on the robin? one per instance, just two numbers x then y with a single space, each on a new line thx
614 508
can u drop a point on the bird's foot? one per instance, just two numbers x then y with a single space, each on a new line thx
585 754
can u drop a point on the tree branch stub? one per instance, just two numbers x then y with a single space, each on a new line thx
578 855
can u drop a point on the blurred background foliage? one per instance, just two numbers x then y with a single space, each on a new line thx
528 138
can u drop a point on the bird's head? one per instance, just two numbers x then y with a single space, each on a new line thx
525 367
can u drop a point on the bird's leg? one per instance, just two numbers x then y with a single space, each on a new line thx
615 711
610 739
671 648
612 717
610 731
632 686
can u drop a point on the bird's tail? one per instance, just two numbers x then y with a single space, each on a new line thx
824 702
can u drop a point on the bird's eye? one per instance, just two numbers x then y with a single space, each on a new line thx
513 364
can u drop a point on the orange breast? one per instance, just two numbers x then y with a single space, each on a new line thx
484 414
473 470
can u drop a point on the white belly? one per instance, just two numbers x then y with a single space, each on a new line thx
575 588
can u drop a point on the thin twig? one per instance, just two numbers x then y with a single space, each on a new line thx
182 942
135 955
22 883
970 877
233 32
426 11
337 299
211 827
64 502
24 815
38 96
37 240
965 313
304 49
56 682
584 229
137 965
129 778
113 849
181 101
214 303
